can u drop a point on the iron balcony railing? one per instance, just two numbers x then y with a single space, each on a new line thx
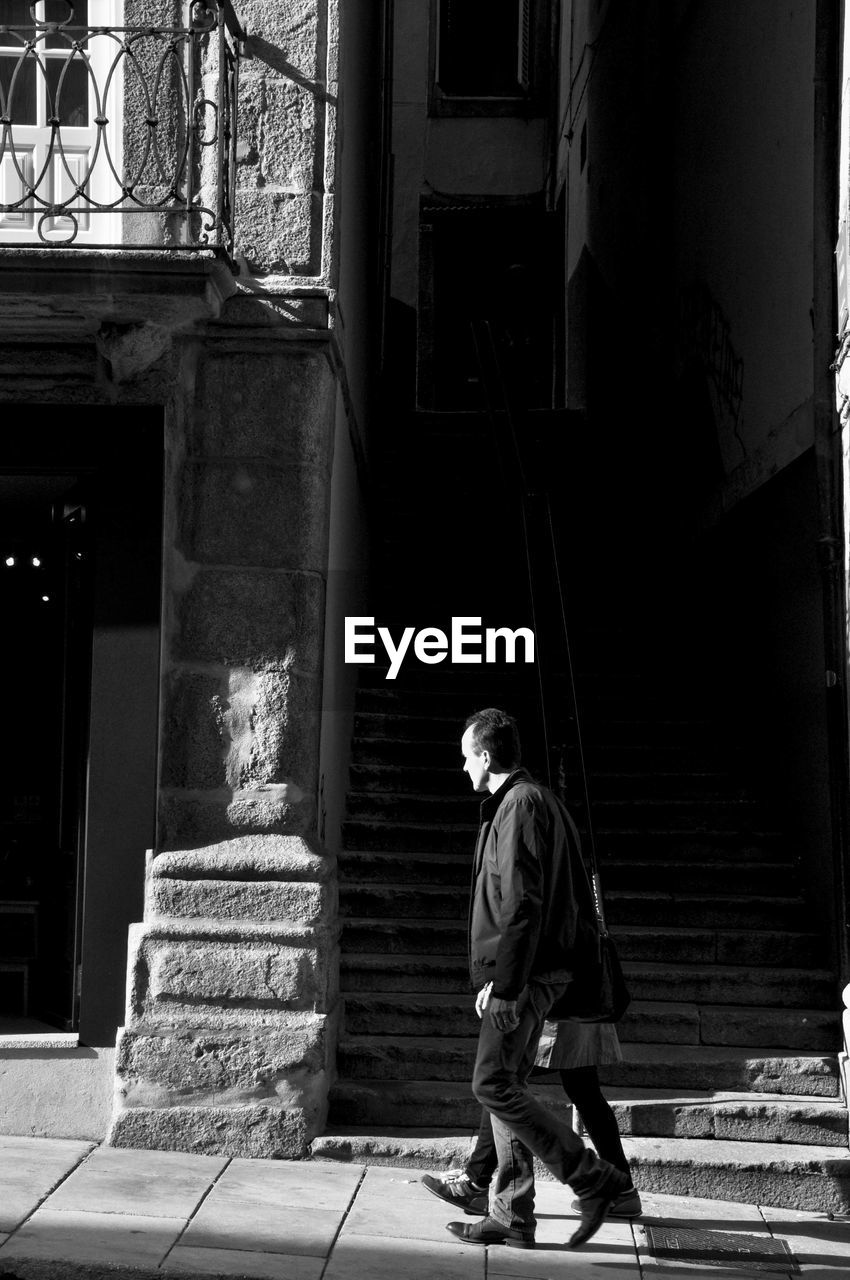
118 133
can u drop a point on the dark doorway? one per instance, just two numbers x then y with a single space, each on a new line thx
80 535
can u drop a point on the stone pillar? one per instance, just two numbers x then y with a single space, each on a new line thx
844 1055
232 989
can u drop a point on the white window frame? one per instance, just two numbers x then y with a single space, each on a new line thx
67 165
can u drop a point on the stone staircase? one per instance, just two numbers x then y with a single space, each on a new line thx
730 1085
729 1088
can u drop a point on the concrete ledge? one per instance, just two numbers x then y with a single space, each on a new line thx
39 1040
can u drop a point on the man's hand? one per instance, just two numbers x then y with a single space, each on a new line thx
503 1013
482 998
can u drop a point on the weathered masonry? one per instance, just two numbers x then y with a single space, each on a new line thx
171 403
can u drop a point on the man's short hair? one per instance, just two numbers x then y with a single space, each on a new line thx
495 731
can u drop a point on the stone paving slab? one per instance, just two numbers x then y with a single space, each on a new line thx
392 1203
147 1215
130 1239
692 1211
252 1228
817 1243
29 1169
365 1257
166 1184
230 1262
286 1182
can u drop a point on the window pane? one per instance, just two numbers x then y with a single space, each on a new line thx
479 47
70 101
73 12
20 103
15 13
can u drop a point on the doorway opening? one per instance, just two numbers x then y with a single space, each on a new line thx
80 537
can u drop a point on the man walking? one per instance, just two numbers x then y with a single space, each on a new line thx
530 910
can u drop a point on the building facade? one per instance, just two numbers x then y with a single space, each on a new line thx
291 293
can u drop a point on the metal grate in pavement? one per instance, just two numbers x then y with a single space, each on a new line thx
731 1249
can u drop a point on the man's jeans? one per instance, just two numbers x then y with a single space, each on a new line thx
521 1125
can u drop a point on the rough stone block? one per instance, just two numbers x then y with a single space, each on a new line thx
232 1062
238 900
264 809
249 513
280 231
280 408
247 731
250 857
194 733
274 723
284 36
800 1124
258 1131
656 1119
229 974
216 982
293 143
281 133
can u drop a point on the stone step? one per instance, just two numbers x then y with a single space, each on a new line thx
405 868
393 901
389 697
423 837
422 936
450 783
702 910
623 907
648 843
637 758
649 1021
637 814
668 1066
767 879
634 942
804 1177
398 728
691 983
739 1117
671 845
605 731
732 985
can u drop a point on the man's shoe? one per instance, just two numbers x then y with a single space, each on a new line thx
627 1205
489 1231
595 1207
456 1189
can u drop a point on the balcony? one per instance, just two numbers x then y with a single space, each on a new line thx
115 134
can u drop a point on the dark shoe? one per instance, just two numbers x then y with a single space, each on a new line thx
456 1189
627 1205
489 1231
596 1205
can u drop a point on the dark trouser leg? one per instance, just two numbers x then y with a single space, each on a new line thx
581 1085
522 1125
481 1165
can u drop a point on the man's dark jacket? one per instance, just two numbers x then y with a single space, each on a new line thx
531 911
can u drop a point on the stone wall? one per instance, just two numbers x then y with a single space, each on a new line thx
233 974
232 986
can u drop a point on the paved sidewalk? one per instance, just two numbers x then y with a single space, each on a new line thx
72 1209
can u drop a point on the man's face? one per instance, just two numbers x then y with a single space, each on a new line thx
475 764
